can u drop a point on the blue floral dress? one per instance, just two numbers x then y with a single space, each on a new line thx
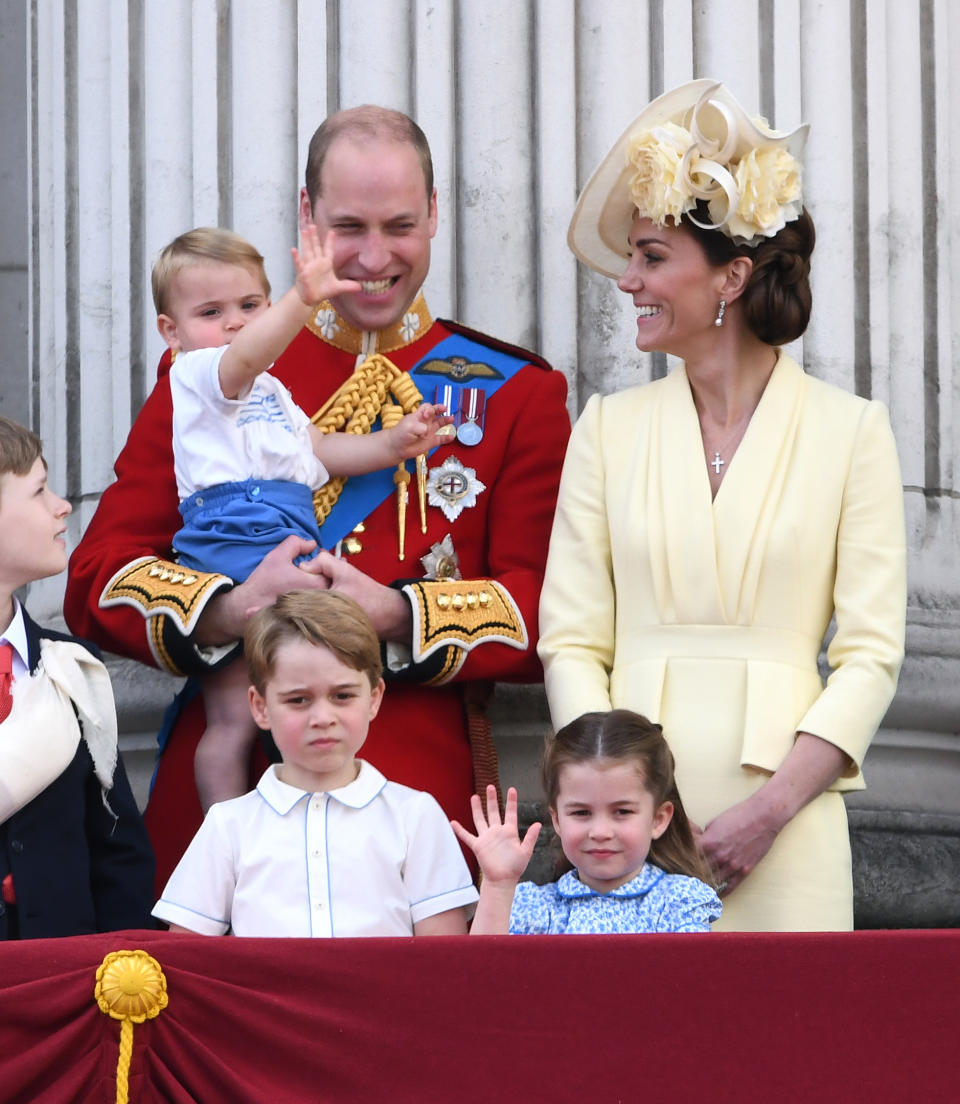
654 901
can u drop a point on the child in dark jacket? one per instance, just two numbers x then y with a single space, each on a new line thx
74 854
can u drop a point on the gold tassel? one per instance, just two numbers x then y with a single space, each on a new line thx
390 415
422 490
401 477
130 988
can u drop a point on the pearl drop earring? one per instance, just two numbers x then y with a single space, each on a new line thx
722 308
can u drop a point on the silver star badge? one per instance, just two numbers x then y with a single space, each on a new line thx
453 487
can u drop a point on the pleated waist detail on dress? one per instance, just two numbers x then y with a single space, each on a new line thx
748 685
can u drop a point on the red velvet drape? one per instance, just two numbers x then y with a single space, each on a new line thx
864 1016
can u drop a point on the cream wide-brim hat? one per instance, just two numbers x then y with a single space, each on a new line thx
601 221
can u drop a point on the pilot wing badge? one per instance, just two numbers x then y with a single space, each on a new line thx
459 369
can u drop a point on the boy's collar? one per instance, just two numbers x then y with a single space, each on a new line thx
282 797
335 330
15 634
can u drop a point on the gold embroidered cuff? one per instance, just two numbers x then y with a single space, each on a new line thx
159 587
463 613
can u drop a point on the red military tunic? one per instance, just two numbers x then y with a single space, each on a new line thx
419 737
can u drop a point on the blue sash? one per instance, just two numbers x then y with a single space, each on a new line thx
456 360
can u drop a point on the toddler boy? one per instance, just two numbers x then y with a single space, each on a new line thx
247 458
74 854
325 845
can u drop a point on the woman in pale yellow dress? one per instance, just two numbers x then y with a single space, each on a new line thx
711 523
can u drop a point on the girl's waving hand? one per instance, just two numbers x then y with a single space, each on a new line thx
501 855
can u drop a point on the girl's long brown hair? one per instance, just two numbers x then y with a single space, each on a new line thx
623 736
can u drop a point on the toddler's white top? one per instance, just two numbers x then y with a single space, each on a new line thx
261 435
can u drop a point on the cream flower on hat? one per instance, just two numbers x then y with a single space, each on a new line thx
656 186
768 183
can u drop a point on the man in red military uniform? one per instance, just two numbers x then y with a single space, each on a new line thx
447 560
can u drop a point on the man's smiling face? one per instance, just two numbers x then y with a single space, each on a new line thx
373 197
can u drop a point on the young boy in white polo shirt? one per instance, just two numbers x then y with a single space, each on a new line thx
325 845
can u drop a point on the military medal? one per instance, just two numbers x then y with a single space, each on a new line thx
448 396
453 487
445 393
473 404
468 407
443 396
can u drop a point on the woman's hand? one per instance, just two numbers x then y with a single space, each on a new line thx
735 841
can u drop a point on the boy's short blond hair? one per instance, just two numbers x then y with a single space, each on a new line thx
20 448
324 618
199 246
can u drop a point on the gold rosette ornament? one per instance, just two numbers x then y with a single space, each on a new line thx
130 988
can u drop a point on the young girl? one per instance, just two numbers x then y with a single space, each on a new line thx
608 778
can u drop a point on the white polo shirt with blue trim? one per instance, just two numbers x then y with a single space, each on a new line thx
371 858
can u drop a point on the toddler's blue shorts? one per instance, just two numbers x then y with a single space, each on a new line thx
229 528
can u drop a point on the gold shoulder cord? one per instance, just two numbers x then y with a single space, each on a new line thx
353 408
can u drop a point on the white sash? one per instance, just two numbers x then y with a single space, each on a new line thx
39 738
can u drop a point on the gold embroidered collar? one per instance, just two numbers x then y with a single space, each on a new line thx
335 330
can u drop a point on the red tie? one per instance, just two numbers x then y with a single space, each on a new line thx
6 680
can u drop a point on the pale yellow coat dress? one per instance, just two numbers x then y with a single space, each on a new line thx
708 615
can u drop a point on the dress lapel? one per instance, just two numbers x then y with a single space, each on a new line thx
682 538
746 503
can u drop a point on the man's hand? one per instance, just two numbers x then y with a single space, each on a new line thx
387 608
225 617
